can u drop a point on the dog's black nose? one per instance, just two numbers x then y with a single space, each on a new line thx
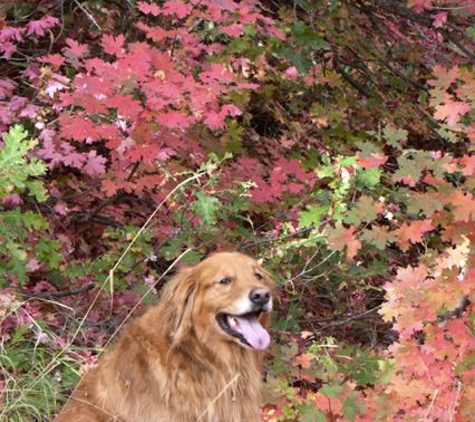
260 296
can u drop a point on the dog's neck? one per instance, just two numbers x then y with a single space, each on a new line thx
208 355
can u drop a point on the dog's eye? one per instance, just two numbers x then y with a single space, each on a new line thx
224 280
258 276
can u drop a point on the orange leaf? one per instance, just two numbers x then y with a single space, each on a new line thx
412 233
374 160
304 360
339 237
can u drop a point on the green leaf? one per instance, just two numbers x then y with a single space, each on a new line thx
310 413
312 216
331 390
367 148
16 168
306 37
363 210
426 204
233 137
395 136
471 32
368 178
408 169
351 407
378 237
206 207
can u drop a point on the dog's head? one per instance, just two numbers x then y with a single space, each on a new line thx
226 298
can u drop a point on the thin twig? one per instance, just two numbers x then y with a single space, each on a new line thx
86 12
218 396
345 321
63 293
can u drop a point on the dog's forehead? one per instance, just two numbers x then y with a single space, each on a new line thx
230 261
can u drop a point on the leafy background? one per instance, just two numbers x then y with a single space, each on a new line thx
331 138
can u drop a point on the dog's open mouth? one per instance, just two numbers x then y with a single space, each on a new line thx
246 328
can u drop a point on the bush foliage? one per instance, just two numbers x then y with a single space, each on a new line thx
331 138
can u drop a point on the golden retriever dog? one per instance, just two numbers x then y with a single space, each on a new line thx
195 357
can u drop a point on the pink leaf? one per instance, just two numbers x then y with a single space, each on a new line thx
230 110
420 5
174 7
292 72
12 200
214 120
61 208
33 265
30 111
165 153
451 111
174 119
7 48
39 26
56 85
155 34
233 31
224 4
95 164
6 88
75 49
113 45
439 19
57 60
9 33
148 9
216 73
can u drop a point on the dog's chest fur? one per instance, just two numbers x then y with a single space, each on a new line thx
159 392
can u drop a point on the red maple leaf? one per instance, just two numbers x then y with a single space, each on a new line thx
109 187
261 193
126 105
78 128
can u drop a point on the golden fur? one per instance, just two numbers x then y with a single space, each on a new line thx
175 363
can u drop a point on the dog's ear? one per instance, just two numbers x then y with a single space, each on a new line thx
178 300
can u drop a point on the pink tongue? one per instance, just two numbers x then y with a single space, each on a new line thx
254 333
